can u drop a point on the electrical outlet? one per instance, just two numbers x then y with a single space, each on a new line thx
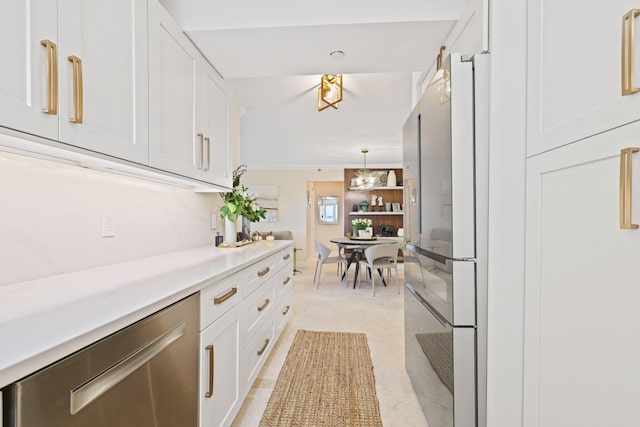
213 221
108 224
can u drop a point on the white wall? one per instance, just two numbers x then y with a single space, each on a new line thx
292 201
51 218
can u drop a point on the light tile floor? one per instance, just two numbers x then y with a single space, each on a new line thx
333 307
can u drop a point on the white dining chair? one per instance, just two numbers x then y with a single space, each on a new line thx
381 257
324 258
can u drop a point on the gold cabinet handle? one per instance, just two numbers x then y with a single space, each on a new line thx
264 347
626 156
284 313
286 257
52 76
263 306
628 48
208 141
287 280
439 57
77 89
263 272
209 393
201 152
223 298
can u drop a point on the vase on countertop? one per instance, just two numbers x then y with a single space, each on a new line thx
391 179
230 233
246 228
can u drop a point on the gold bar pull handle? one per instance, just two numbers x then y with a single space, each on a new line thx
201 152
628 48
226 296
77 89
209 392
208 157
626 166
439 58
263 306
264 347
52 76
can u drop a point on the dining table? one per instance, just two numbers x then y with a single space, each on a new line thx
358 245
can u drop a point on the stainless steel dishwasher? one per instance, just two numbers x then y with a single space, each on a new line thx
143 375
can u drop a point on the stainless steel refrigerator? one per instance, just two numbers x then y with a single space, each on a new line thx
446 196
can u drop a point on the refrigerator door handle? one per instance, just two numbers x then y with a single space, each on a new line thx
427 305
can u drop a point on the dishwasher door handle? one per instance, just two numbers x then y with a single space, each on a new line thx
96 387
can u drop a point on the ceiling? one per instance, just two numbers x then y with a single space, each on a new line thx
272 55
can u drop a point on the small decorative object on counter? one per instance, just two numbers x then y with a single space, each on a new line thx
391 179
218 239
364 205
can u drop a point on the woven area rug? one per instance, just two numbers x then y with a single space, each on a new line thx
327 380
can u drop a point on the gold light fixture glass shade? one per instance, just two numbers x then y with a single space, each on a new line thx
364 177
330 91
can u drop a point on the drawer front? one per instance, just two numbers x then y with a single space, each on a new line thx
218 298
258 349
283 281
284 259
284 309
258 273
257 307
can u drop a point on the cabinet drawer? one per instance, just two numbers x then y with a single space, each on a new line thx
259 273
218 298
284 309
258 349
257 307
283 281
284 259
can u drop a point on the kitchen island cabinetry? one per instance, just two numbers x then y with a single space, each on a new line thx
378 214
570 99
78 74
188 105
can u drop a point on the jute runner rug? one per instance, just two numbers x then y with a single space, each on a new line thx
327 380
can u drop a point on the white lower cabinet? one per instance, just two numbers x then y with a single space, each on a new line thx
241 318
220 370
581 291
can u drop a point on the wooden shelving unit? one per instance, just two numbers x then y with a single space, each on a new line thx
379 216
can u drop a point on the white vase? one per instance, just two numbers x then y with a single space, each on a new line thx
230 231
391 179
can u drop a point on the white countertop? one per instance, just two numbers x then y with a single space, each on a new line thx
44 320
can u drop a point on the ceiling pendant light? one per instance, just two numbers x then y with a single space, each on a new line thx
330 91
365 178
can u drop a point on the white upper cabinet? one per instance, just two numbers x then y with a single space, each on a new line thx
76 71
188 106
27 75
212 120
574 71
173 61
103 98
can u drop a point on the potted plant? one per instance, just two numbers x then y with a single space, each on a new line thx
360 224
237 203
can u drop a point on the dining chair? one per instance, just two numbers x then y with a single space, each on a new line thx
347 257
380 257
324 258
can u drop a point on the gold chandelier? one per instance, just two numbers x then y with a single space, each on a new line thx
330 91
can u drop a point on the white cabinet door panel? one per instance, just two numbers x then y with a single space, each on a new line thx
111 40
220 347
172 99
23 74
582 287
574 71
